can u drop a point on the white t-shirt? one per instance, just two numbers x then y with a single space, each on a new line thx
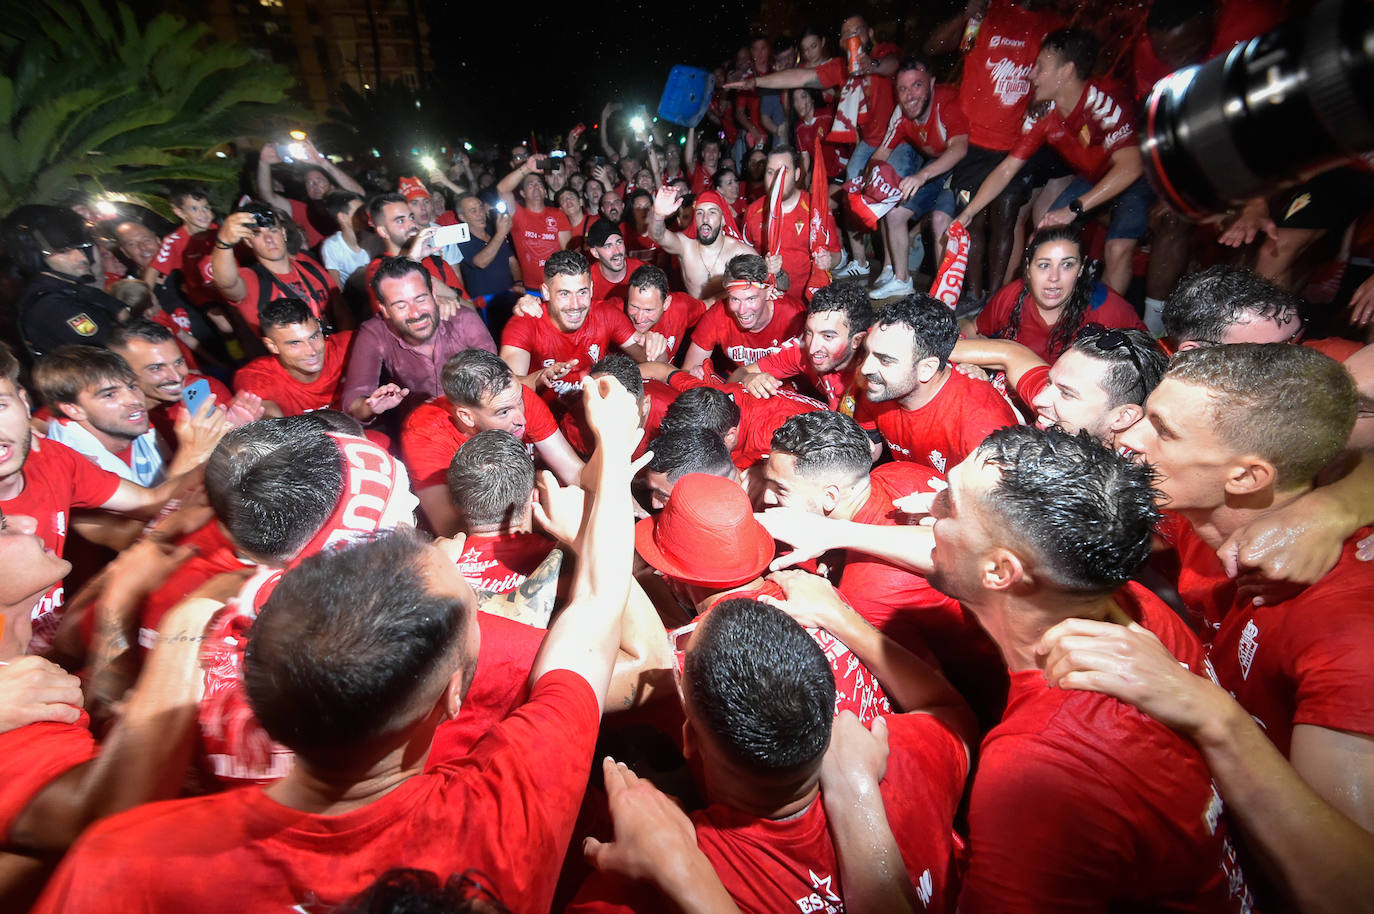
146 460
339 256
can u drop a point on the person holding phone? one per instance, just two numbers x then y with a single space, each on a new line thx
395 224
537 229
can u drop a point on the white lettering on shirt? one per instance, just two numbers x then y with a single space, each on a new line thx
1010 81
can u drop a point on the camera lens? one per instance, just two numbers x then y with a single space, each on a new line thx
1265 115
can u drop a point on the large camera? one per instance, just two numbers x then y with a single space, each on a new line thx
1269 114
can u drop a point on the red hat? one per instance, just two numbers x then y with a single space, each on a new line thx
712 198
706 535
873 196
411 188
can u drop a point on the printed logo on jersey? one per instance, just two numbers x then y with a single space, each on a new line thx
594 351
823 899
1010 81
1249 638
925 888
746 355
937 460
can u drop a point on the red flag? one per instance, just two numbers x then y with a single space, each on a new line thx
772 236
820 211
949 281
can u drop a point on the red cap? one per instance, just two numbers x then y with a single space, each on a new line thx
713 198
411 188
707 534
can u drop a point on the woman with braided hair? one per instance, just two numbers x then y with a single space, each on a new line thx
1056 295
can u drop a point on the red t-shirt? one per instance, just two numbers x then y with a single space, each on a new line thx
944 431
944 121
1304 660
214 555
1236 21
806 142
1083 803
313 221
34 756
266 377
796 242
298 282
604 290
1086 137
902 604
681 313
996 85
702 180
502 562
573 422
718 327
758 419
496 809
430 437
534 237
1105 308
605 330
56 479
436 266
188 253
792 361
772 865
878 96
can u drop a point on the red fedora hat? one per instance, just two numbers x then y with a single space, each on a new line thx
706 534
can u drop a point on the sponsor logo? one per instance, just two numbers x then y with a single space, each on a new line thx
1117 135
925 888
745 355
1249 643
1010 80
823 899
937 460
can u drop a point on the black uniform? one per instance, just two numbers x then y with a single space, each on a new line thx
55 312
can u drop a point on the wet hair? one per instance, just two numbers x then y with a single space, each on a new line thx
761 686
930 321
691 450
1290 405
1076 46
1205 304
566 263
650 277
490 479
1074 309
138 329
352 647
1083 514
704 407
273 483
624 369
748 267
61 375
825 444
847 297
283 312
474 375
1135 366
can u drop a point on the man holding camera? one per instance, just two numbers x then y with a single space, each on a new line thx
275 272
537 230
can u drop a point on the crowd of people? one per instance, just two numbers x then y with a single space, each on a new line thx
621 527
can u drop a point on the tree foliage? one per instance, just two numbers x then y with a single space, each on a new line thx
93 99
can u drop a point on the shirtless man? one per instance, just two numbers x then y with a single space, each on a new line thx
703 257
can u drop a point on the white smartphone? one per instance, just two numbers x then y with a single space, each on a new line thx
445 235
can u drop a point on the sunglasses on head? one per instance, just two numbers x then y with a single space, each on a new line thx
1106 339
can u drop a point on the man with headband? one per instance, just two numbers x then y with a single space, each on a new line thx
753 320
705 255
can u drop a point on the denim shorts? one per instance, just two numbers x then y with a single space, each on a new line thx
1130 210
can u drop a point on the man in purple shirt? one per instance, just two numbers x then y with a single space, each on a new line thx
408 339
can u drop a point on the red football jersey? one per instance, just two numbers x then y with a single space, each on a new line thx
718 327
878 95
298 282
430 438
605 290
534 237
34 756
944 121
266 377
605 330
681 313
792 361
944 431
502 562
1086 137
802 272
1105 308
995 86
1083 803
190 254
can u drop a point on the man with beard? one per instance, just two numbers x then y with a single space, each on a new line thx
62 302
395 224
304 368
826 356
613 207
751 322
661 318
805 265
704 256
915 401
408 339
537 230
611 268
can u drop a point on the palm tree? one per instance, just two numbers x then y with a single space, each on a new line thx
91 99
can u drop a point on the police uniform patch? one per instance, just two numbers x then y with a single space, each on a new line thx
83 324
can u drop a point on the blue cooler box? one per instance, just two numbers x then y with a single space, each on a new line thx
686 95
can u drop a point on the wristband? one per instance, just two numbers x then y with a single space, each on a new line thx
1076 206
222 246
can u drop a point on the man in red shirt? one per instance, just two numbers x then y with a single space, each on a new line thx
491 481
479 394
305 369
356 801
751 322
827 355
1092 128
275 273
611 269
1000 40
915 402
574 332
661 319
404 237
705 159
1236 432
804 266
930 119
537 230
1080 801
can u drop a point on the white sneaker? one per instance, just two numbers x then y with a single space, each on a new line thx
893 288
850 269
883 277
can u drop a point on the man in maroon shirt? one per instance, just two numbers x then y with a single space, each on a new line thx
408 339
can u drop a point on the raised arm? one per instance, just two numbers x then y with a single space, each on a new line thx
268 157
795 78
508 185
224 266
666 202
335 173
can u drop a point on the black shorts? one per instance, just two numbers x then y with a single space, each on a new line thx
1332 200
974 168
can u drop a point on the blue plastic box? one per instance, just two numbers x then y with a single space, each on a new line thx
686 95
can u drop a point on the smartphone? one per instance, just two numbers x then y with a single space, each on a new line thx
290 152
193 395
544 164
445 235
500 207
